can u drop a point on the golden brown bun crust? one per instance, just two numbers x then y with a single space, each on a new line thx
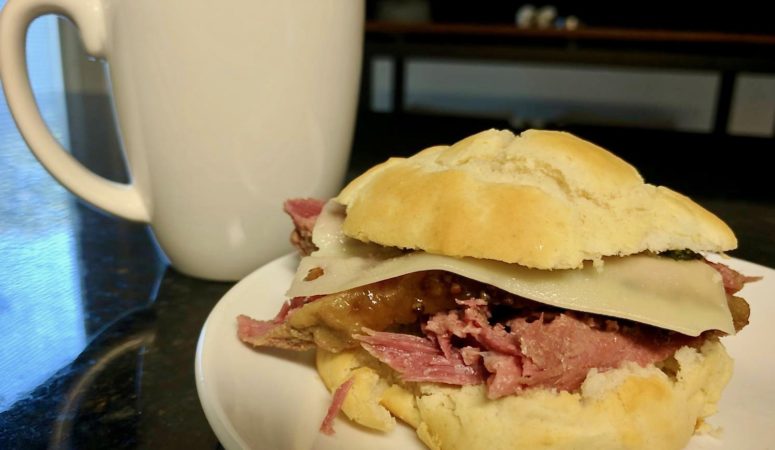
544 199
626 408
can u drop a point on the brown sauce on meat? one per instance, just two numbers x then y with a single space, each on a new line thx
385 305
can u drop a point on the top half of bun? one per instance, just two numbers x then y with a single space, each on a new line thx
542 199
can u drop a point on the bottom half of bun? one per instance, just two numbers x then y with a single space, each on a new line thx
630 407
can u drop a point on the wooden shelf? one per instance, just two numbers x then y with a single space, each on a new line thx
583 33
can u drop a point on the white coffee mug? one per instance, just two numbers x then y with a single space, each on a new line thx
225 109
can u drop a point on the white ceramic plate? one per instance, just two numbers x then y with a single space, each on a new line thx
274 399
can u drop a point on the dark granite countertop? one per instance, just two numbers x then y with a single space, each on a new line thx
98 334
98 337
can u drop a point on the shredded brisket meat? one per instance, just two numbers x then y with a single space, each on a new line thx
462 346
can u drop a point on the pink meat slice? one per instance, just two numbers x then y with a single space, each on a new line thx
420 358
327 427
304 213
272 333
733 280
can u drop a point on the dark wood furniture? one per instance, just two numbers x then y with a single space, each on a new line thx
725 53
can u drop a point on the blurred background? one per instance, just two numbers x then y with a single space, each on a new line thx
685 91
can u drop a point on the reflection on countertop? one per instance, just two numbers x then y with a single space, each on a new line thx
118 370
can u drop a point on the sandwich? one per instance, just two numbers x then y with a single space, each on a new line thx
513 291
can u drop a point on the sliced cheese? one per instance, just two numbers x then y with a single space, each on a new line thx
684 296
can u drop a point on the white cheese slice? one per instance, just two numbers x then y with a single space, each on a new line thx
684 296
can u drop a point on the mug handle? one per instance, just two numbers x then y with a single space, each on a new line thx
123 200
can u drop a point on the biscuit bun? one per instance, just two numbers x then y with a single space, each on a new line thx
542 199
627 408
